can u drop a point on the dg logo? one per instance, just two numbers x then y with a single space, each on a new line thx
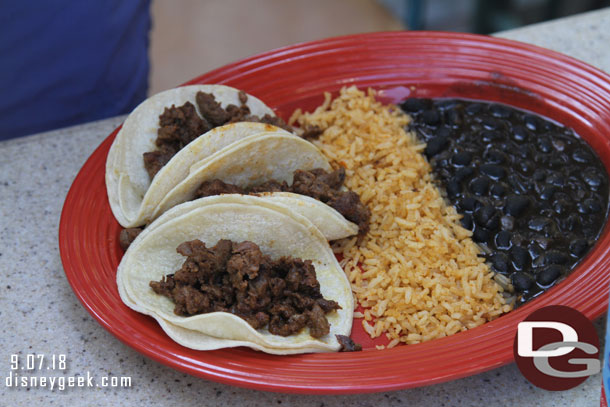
556 348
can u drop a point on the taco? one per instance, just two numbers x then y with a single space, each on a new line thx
160 140
218 235
329 222
264 165
248 162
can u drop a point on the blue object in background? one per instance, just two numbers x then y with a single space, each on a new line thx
64 62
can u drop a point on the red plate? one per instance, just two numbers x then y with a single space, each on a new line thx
400 63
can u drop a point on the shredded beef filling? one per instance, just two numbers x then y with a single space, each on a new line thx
317 183
282 294
180 125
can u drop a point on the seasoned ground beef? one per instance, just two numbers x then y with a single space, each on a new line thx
282 294
317 183
178 126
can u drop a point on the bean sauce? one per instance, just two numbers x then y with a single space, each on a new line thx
533 193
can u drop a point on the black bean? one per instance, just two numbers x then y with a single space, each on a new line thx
488 217
578 247
466 221
462 158
516 204
592 205
592 179
535 251
491 123
500 263
549 274
541 160
570 223
475 127
479 185
442 160
539 174
490 136
555 257
423 133
453 117
546 125
453 188
519 134
500 111
443 173
526 167
462 174
498 190
562 195
562 206
503 240
538 223
541 241
474 108
537 262
574 182
544 145
493 171
431 117
556 179
589 206
416 104
531 122
507 222
436 145
590 231
444 131
520 257
494 157
522 282
581 156
519 184
448 104
522 151
557 162
558 144
480 234
547 192
469 204
578 193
